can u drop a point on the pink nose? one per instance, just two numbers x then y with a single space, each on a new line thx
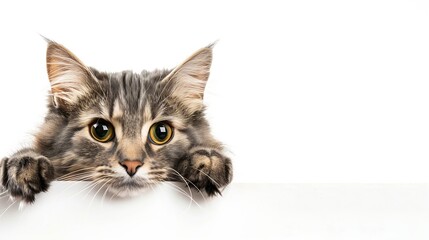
131 166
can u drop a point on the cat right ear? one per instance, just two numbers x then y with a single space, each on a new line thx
70 79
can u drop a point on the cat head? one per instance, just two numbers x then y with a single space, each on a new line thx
124 129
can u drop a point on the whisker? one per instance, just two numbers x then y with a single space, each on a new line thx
150 185
195 186
115 195
99 191
8 208
187 185
91 189
74 172
97 182
179 190
218 185
74 167
161 177
90 184
82 176
104 195
77 177
183 178
74 184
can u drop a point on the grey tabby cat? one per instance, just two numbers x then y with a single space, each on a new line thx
124 130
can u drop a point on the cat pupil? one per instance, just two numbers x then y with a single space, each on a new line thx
101 130
161 132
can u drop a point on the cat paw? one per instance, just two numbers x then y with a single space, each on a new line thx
208 169
26 174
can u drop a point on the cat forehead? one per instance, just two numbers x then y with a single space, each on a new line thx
129 82
132 93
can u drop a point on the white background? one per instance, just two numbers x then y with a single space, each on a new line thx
300 91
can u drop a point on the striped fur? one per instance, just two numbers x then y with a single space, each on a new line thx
132 102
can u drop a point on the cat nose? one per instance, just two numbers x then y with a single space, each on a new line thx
131 166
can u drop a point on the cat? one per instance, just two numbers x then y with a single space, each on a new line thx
125 130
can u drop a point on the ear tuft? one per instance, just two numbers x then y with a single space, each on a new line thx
70 79
189 80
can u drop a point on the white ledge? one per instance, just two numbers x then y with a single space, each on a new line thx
245 211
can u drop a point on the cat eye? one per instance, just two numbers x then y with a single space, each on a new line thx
101 130
160 133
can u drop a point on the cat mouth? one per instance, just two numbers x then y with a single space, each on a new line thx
129 184
128 187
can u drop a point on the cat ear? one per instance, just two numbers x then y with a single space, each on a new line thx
188 80
70 79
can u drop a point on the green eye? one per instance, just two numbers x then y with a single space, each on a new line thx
101 130
160 133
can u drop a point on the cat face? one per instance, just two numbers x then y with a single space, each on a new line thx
124 130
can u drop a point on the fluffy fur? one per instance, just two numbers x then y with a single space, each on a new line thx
132 103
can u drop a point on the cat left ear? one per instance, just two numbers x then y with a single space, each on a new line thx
188 80
70 79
